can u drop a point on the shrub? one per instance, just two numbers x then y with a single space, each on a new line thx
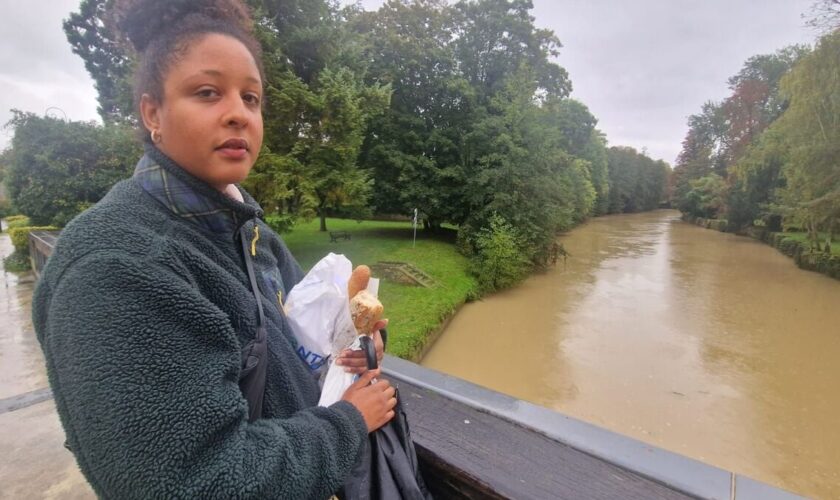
55 169
280 223
463 241
499 261
719 224
821 263
17 221
20 236
17 262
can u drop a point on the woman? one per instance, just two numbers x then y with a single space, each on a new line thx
150 296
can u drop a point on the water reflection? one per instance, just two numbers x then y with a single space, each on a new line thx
708 344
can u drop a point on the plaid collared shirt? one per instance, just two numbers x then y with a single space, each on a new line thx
182 199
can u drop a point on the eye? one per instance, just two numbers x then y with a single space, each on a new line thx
251 98
207 93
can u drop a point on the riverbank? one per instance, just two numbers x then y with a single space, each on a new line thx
416 311
794 245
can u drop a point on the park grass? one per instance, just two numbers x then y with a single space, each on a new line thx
802 237
415 312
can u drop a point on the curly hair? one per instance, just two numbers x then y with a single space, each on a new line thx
162 31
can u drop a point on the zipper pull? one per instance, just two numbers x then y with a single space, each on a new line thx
256 238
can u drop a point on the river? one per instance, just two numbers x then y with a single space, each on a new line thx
711 345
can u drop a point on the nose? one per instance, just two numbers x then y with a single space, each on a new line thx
235 113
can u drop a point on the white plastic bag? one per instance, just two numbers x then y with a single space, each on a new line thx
337 380
318 310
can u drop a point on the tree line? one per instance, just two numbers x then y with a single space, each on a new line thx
769 154
459 110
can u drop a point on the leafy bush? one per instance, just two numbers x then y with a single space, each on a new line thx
280 223
20 236
719 224
55 169
499 261
17 221
17 262
821 263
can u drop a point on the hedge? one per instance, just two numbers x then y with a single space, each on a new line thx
20 236
820 262
17 221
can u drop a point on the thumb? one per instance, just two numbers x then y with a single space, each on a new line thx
366 378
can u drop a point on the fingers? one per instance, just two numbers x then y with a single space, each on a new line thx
382 323
367 377
352 361
390 391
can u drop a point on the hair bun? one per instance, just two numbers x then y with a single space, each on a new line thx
141 21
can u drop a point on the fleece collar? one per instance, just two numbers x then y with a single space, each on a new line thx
191 198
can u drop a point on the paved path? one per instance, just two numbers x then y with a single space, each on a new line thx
34 462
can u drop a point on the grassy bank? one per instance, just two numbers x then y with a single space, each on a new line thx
802 238
415 312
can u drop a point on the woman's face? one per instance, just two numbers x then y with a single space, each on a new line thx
210 120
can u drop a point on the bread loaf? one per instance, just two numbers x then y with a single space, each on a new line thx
366 310
358 280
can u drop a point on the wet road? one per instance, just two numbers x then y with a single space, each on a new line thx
34 462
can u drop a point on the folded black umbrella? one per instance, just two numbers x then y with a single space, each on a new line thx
387 467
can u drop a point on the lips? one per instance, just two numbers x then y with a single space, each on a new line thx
234 144
235 149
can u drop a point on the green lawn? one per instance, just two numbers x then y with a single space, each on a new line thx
803 238
414 312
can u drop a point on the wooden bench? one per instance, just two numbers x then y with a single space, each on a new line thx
335 235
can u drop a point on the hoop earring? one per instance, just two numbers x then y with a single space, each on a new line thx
155 135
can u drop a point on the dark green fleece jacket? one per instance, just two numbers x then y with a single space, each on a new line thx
142 311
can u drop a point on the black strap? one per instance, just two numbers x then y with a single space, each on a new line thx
369 348
255 353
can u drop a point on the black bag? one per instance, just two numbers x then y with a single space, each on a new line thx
387 467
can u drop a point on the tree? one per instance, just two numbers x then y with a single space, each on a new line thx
494 38
825 15
57 169
637 182
707 197
413 149
754 182
110 66
722 134
755 101
500 261
331 148
811 130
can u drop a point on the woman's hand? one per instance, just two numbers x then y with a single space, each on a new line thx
355 361
375 401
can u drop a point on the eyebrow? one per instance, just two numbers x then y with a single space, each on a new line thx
217 73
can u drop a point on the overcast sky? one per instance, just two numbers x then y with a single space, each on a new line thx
642 66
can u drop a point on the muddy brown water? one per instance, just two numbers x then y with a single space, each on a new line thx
707 344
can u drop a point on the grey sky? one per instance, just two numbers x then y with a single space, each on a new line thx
642 66
37 68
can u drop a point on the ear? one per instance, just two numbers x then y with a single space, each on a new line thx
150 112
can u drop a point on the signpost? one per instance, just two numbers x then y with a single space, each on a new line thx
415 229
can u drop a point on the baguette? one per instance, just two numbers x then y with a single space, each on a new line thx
358 280
366 310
